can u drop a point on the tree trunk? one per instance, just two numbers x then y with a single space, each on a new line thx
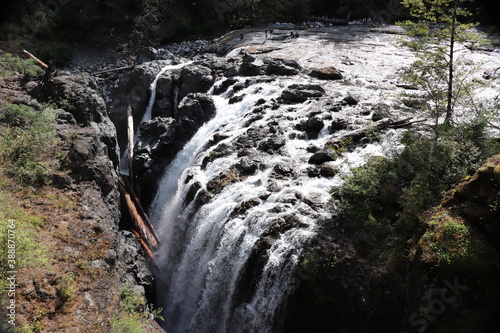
449 102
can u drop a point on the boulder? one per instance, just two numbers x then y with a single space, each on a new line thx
156 140
327 73
314 125
197 108
349 100
146 54
338 125
224 85
321 157
279 67
252 66
195 78
299 93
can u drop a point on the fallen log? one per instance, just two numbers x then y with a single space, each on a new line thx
131 66
144 230
144 245
140 209
130 139
38 61
358 134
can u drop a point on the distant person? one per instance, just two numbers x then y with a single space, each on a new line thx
241 36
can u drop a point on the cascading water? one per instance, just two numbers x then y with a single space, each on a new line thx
205 251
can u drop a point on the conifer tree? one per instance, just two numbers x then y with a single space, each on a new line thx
436 33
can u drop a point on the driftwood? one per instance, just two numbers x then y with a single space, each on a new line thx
360 133
131 66
140 209
38 61
146 234
130 138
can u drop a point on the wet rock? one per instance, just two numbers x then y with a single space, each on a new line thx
236 99
273 143
218 183
321 157
349 100
338 125
299 93
252 66
155 144
381 111
279 68
203 197
313 172
194 79
328 170
247 165
224 85
327 73
283 169
197 108
192 192
221 150
241 208
313 125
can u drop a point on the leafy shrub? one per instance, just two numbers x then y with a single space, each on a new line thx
414 180
66 289
361 197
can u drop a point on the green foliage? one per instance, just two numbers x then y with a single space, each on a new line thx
446 240
361 194
66 288
413 180
126 324
10 64
131 313
15 226
26 136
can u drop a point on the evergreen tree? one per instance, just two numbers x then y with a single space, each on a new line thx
436 33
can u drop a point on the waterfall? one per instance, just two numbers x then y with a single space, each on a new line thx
149 110
206 251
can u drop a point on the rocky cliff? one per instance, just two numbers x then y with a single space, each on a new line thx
91 260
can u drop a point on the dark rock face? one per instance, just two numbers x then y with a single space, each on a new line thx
281 67
155 144
91 165
196 109
160 139
132 90
195 78
251 66
349 100
94 153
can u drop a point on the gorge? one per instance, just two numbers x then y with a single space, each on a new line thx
285 168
